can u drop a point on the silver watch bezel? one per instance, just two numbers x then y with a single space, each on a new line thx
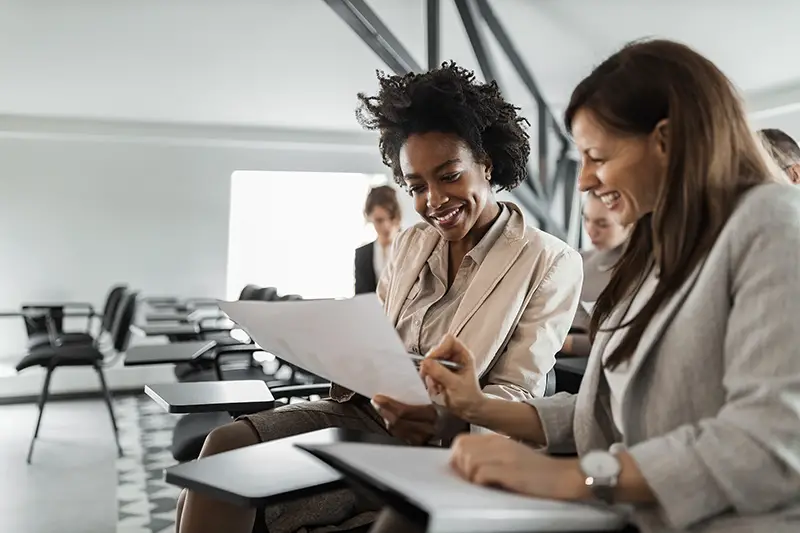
601 478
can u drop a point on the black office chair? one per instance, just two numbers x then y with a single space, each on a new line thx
228 348
53 336
52 357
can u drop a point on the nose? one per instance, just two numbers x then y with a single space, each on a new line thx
436 198
587 179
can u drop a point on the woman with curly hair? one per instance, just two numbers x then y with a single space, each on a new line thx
471 268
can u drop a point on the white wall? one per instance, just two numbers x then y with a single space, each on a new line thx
83 206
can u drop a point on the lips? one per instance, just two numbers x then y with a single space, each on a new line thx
447 218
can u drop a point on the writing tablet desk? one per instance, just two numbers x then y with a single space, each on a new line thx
176 352
269 472
246 396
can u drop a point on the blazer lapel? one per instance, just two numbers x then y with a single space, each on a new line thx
408 269
592 423
658 324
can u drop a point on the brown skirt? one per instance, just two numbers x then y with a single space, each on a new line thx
339 510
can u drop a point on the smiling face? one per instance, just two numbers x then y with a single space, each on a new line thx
451 190
624 171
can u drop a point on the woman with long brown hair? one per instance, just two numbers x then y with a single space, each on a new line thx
690 406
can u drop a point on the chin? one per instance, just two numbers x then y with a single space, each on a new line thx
452 234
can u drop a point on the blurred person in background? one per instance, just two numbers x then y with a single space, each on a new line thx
608 238
783 150
382 210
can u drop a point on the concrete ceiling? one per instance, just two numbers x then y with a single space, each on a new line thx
294 63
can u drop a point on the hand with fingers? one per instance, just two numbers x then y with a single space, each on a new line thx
457 390
493 460
414 424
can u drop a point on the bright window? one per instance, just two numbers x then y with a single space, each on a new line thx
297 231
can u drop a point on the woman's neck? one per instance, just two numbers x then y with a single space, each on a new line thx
387 240
474 236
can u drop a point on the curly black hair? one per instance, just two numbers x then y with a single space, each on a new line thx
449 100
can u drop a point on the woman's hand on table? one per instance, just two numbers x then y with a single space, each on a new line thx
494 460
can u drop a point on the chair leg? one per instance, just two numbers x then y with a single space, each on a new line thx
107 396
42 400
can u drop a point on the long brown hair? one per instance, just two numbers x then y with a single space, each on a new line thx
712 159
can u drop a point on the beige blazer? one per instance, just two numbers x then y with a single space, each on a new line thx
712 411
516 312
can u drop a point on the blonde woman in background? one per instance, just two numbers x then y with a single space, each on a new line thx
608 237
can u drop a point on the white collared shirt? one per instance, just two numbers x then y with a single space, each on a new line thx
619 377
380 256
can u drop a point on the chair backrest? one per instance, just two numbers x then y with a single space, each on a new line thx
266 294
36 319
248 292
112 305
550 382
121 330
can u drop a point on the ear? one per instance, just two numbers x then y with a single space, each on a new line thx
661 136
794 174
487 169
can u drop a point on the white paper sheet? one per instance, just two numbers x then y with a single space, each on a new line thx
424 477
350 342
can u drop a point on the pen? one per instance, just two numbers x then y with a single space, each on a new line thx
444 362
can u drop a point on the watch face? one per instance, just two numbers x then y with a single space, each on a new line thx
600 465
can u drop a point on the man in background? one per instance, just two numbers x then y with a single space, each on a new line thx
783 149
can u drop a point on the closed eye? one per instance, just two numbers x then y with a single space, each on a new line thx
451 177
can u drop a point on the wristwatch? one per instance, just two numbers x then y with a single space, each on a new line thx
602 470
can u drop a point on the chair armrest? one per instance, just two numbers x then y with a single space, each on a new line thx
49 306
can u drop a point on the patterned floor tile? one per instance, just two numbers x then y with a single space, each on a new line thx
145 504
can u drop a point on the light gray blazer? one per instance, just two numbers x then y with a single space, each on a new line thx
712 411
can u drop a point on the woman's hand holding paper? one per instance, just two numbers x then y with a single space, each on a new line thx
414 424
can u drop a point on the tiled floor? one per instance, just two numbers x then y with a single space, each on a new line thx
71 485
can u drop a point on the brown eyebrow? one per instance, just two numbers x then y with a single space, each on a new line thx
438 168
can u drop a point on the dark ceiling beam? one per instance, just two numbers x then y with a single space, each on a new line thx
367 25
466 10
496 27
433 24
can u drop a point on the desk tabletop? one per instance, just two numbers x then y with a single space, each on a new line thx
269 472
167 316
175 352
155 330
208 396
575 365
